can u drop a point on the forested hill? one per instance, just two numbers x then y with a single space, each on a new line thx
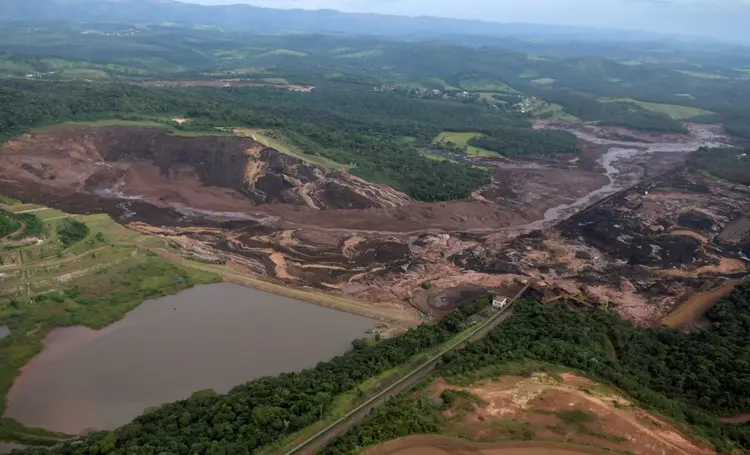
648 90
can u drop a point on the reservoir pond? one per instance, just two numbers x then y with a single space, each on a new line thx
210 337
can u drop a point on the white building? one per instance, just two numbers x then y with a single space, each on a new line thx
499 304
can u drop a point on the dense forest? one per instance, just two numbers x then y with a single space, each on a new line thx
402 416
727 163
520 141
262 411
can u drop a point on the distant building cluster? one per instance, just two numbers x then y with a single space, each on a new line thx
426 92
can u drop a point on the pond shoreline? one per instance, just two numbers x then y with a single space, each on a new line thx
213 336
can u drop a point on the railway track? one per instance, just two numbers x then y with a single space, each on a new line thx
317 441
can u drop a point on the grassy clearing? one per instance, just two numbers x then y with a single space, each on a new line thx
363 54
486 85
671 110
556 111
536 58
528 74
461 140
544 81
703 75
81 73
288 52
274 80
92 278
489 96
276 141
438 158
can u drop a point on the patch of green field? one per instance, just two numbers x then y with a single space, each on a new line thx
685 95
476 151
672 110
274 80
703 75
363 54
555 111
461 140
438 158
537 58
242 71
486 85
93 282
153 64
544 81
277 142
488 96
614 80
528 74
81 73
48 214
631 63
436 83
282 52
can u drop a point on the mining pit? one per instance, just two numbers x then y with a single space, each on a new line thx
626 224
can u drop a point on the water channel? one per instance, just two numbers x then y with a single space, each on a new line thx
619 152
214 336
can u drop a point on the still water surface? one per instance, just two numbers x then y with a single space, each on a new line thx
213 336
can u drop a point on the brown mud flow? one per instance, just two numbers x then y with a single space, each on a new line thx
209 337
646 247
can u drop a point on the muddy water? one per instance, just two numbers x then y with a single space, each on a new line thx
613 160
4 331
214 336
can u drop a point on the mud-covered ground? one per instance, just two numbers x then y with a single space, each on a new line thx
641 250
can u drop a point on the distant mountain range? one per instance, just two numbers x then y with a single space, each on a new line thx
246 18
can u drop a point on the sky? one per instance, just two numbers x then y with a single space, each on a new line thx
726 19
